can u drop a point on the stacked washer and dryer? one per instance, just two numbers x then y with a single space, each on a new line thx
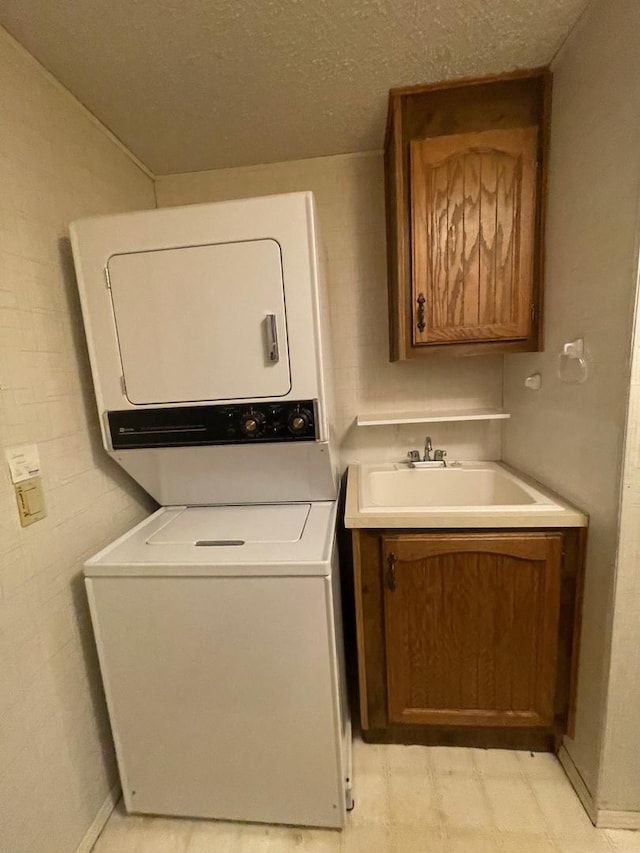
217 620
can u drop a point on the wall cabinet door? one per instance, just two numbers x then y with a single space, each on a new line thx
465 176
471 628
473 200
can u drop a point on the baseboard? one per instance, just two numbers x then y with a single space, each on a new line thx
584 795
97 824
617 820
602 818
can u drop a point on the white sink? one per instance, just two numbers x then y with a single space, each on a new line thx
466 485
464 496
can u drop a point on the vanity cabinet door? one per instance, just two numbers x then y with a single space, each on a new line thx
473 201
471 628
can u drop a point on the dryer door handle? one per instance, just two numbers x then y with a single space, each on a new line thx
273 351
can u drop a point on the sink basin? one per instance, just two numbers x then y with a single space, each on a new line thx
465 495
465 487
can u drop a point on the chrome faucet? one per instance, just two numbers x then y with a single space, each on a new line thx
438 460
428 447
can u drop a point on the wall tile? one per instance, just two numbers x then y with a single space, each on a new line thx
56 762
571 436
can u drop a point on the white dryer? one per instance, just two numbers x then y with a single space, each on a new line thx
218 620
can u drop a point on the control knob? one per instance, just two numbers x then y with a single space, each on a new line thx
252 424
299 421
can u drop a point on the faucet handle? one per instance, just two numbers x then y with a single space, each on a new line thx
414 455
440 456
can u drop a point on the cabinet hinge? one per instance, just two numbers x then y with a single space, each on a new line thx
533 313
107 278
123 386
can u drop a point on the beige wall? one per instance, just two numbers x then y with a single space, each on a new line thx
349 191
56 762
570 436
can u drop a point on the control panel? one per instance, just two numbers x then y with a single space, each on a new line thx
188 426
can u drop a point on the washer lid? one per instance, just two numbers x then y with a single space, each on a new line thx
273 540
233 525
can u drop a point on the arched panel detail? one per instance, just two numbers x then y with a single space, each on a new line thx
473 203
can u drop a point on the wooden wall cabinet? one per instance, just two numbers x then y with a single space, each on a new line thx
467 638
465 183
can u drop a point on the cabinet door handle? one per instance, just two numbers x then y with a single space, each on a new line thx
421 322
391 572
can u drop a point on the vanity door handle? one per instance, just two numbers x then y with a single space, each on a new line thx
391 572
421 312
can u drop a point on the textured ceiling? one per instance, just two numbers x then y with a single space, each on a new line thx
202 84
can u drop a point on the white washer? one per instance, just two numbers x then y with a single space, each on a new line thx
222 663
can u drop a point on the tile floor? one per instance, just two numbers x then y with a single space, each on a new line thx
409 799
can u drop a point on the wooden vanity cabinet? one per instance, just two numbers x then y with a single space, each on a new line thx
469 637
465 177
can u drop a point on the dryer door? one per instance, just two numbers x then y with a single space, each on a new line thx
201 323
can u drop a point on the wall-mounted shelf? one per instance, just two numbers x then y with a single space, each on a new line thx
387 419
